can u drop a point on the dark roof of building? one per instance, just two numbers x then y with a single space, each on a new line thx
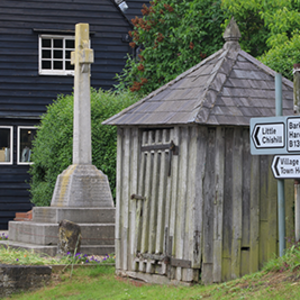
227 88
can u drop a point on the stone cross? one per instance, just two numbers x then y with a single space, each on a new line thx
82 58
82 184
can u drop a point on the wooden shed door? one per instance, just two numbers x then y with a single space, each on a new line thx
153 200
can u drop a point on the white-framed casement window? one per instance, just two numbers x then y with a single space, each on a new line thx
6 145
55 54
26 135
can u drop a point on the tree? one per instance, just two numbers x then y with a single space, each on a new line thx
52 152
173 36
270 30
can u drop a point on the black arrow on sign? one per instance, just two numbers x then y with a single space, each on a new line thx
275 166
255 135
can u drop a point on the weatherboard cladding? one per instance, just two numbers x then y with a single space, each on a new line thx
25 93
134 8
227 88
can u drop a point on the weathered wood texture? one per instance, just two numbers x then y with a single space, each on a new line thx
215 212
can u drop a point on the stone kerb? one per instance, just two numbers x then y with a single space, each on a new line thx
16 278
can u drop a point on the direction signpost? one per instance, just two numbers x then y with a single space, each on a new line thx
293 137
281 136
275 135
286 166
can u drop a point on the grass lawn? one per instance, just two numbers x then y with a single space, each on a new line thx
100 282
280 279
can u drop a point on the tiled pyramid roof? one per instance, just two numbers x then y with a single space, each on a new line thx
227 88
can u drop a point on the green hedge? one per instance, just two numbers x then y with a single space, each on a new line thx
52 149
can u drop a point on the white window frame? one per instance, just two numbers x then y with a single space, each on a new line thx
53 71
18 144
11 145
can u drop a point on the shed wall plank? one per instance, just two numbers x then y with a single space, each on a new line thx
174 195
237 181
218 207
181 200
125 197
146 208
162 187
120 139
263 211
208 208
134 175
228 209
189 238
254 213
199 198
246 211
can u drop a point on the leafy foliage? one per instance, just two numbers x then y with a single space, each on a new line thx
173 36
52 152
270 30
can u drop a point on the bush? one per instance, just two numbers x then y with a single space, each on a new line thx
52 148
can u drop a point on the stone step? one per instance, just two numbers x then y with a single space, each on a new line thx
46 233
52 250
77 215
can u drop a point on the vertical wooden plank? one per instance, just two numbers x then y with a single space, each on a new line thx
162 186
141 191
246 166
289 212
154 195
134 175
125 197
197 202
218 205
169 135
208 208
263 209
272 213
228 209
181 200
237 202
254 213
146 208
189 274
174 192
118 226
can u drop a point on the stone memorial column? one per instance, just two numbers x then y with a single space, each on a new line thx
82 184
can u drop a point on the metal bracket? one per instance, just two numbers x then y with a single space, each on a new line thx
137 197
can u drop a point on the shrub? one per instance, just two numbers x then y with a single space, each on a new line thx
52 148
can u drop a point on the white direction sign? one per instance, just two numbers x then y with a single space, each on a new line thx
268 135
293 135
286 166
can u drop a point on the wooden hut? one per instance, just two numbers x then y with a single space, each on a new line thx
192 203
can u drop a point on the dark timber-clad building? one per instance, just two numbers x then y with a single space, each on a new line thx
36 40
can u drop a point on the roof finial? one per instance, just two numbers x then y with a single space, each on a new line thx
232 35
232 32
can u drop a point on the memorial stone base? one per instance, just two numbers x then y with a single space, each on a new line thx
81 195
82 185
41 233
